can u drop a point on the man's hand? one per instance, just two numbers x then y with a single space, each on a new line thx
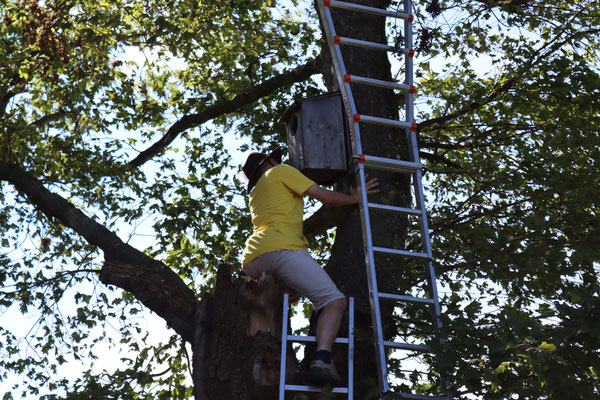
370 185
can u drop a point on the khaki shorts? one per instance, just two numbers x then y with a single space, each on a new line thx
298 270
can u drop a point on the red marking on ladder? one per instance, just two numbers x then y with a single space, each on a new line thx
410 16
347 78
337 40
326 3
413 127
411 52
357 118
361 158
412 89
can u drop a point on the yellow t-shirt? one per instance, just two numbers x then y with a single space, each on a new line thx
277 211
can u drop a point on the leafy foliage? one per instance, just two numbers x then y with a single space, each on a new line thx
84 86
514 189
509 127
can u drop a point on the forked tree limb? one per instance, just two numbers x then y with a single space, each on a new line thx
150 281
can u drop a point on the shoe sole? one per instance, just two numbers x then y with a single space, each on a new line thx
319 378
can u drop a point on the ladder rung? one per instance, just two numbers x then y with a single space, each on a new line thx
412 396
297 338
385 122
377 82
401 210
405 298
411 254
306 388
407 346
388 163
372 45
368 10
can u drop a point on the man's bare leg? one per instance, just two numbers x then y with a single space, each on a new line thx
322 370
329 323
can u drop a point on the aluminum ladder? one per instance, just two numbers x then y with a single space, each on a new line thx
285 337
411 166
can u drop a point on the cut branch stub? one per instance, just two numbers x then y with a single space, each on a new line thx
244 344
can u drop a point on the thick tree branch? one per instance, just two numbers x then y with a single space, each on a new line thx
158 288
435 157
47 119
4 99
252 94
150 281
321 220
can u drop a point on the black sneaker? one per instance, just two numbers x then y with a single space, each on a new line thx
322 374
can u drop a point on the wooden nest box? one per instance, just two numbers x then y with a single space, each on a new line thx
316 135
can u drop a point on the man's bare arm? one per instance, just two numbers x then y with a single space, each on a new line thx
333 198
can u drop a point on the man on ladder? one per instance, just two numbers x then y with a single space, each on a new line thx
278 247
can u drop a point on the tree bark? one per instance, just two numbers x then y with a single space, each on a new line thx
237 345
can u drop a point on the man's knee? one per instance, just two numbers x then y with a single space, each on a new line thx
339 304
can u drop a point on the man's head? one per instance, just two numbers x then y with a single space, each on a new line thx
256 163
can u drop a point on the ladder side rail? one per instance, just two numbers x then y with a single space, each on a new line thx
408 59
340 68
437 322
350 348
417 176
414 146
414 157
380 352
426 241
409 98
426 244
284 335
